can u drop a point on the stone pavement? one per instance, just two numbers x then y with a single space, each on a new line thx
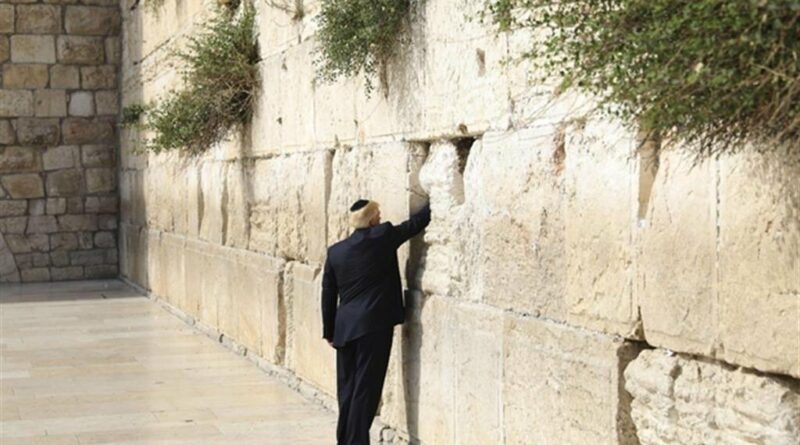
93 362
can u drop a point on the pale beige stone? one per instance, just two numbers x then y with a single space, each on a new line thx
599 223
24 75
16 103
7 134
6 19
5 49
97 77
33 49
38 131
27 185
106 102
90 20
65 76
310 356
81 103
67 182
679 400
564 385
79 50
100 180
38 19
19 159
50 103
676 286
759 268
55 158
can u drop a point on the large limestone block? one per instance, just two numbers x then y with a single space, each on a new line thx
265 130
38 19
599 221
564 385
32 49
478 375
513 202
287 215
212 184
134 249
677 258
91 20
420 391
256 302
759 261
679 400
308 354
20 186
172 274
133 208
237 206
296 96
19 159
206 280
16 103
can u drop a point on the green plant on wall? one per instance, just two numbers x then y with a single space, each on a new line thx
356 36
715 73
220 75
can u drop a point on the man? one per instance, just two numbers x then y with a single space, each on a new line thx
363 271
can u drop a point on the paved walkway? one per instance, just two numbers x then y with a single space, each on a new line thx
95 363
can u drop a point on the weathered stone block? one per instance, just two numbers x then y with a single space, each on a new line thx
679 400
14 207
87 131
50 103
85 240
81 103
87 257
68 182
5 48
78 50
104 239
7 134
759 264
28 243
100 180
564 385
13 224
28 185
90 20
33 49
599 223
41 224
6 19
59 258
676 291
107 222
309 355
36 207
63 241
65 156
75 204
19 159
113 50
56 206
97 155
66 273
38 19
65 76
16 103
106 102
99 77
38 131
35 274
24 75
76 223
101 204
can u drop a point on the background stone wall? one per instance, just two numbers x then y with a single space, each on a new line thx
58 139
564 267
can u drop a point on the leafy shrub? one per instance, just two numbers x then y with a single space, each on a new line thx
357 35
221 79
711 72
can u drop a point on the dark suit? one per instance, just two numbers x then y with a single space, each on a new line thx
363 271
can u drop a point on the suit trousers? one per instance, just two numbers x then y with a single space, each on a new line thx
360 372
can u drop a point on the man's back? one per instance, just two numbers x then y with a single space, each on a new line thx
363 271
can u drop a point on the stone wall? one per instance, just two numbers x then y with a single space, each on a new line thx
562 256
58 139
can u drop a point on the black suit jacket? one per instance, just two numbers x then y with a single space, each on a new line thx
363 271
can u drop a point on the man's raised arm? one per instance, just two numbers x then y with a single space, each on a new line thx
330 293
414 225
